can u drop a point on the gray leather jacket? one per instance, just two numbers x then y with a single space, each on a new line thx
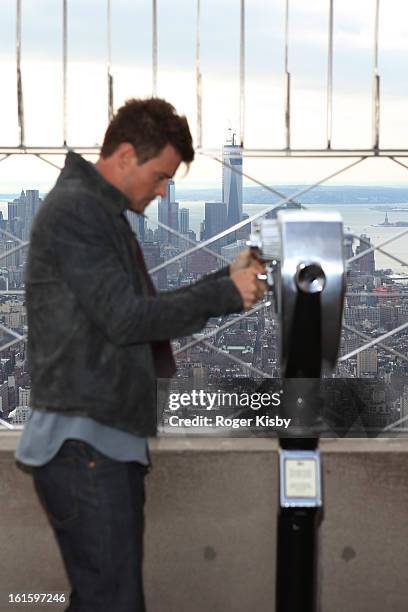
90 318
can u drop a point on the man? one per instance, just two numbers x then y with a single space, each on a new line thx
98 340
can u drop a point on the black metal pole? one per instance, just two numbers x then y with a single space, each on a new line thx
297 560
296 585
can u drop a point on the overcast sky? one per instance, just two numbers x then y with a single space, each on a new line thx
131 67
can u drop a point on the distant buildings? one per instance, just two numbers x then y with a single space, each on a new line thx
200 262
218 215
21 212
153 258
374 303
19 415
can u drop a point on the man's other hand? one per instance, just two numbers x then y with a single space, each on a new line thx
244 259
250 287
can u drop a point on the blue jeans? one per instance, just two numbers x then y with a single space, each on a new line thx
95 506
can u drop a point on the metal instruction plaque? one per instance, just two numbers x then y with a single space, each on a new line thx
300 479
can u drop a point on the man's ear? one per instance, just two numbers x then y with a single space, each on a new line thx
126 155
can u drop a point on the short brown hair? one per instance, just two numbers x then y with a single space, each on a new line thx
149 125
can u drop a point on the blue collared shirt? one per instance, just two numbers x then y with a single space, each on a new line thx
45 432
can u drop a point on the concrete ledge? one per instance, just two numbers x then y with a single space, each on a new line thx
211 527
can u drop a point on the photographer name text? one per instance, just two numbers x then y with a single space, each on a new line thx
230 422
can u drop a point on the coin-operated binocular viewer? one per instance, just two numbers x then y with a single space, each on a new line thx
303 251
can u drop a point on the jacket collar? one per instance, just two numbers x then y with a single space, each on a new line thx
76 166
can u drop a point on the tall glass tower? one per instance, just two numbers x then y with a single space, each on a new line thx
168 213
232 179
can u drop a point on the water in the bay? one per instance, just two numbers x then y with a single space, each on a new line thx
357 218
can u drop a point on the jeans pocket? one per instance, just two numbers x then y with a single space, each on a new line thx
56 489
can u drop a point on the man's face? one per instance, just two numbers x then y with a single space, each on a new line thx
141 183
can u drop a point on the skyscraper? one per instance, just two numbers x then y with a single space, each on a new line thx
168 213
33 203
138 224
184 220
215 221
367 263
12 260
367 363
232 179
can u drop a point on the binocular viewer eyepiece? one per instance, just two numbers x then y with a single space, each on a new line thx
310 277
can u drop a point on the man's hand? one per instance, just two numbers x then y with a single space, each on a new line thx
250 287
244 259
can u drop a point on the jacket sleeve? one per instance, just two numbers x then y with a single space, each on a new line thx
221 273
89 264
